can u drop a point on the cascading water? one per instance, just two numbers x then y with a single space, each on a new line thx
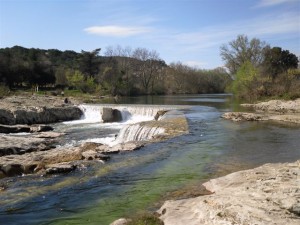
128 129
130 114
138 132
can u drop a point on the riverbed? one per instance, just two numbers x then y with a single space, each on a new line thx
141 180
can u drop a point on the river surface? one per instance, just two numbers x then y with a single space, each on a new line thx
141 180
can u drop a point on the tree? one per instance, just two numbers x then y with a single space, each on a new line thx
241 50
277 61
90 62
245 84
123 57
147 66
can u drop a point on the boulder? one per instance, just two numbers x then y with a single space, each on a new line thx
39 115
111 115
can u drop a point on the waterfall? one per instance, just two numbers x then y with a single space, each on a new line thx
130 113
138 132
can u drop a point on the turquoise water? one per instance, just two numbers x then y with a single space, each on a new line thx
137 181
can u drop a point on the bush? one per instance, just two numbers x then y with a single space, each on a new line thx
145 219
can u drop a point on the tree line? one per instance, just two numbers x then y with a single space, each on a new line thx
119 71
254 70
260 70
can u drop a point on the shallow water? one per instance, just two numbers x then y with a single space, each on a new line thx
139 180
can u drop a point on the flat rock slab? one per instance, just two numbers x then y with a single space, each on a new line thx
269 194
10 145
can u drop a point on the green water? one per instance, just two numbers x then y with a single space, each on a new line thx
141 180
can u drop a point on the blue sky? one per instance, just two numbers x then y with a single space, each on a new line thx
190 31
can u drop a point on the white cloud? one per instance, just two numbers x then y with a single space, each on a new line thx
270 3
117 31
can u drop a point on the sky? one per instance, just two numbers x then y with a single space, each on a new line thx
189 31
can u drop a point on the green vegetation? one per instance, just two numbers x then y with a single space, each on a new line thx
145 219
121 71
256 71
261 71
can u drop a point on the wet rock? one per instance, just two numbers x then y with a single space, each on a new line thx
60 168
92 155
101 156
111 115
159 114
128 146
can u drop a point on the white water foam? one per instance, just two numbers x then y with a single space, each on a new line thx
129 128
138 132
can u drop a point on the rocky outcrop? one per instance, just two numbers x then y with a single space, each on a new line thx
11 145
36 110
242 116
276 110
269 194
110 115
276 106
59 160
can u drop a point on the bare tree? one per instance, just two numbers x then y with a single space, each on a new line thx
241 50
148 65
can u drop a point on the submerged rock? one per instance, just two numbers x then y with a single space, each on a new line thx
265 195
60 168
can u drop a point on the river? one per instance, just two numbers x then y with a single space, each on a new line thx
141 180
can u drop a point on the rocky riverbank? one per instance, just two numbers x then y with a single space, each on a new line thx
37 110
275 110
269 194
38 151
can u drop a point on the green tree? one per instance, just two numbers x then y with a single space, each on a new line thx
90 62
245 84
277 61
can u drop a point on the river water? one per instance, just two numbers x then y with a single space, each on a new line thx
141 180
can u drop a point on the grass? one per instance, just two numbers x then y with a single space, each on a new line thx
145 218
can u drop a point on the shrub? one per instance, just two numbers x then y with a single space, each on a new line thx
145 219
